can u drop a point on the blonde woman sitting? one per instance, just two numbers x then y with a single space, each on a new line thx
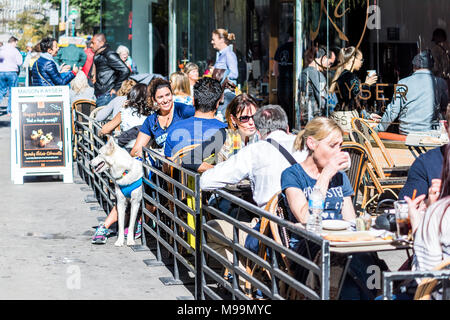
179 82
80 89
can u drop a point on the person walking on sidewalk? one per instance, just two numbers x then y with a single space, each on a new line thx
10 61
46 72
110 70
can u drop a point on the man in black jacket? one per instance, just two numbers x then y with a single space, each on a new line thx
110 70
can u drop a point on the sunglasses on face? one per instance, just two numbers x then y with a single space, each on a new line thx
245 119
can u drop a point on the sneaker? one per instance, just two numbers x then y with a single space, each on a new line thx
100 235
138 232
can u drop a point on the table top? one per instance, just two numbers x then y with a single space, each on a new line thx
348 247
414 139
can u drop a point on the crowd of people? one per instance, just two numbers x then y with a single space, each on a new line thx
228 137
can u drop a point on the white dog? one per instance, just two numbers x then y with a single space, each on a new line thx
127 172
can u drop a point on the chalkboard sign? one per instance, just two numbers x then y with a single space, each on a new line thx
41 132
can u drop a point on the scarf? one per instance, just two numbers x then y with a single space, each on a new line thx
48 56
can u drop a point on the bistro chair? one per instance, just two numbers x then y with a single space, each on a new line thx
429 285
84 107
369 135
359 161
280 235
375 180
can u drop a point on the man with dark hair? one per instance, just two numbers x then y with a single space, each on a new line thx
10 61
199 128
418 99
110 70
46 72
283 70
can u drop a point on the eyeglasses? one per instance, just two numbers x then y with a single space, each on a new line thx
245 119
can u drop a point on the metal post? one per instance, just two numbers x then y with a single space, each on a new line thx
172 37
298 58
67 17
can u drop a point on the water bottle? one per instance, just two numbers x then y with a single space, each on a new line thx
316 205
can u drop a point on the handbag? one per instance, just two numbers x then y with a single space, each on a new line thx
221 75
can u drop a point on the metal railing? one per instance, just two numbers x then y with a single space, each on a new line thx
175 219
390 277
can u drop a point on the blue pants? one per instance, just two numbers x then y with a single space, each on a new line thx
228 97
104 99
7 81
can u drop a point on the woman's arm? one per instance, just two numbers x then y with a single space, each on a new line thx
111 125
298 204
141 141
348 212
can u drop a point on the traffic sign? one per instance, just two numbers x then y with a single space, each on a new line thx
54 17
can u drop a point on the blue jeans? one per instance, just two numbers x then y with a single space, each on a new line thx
7 81
104 99
228 96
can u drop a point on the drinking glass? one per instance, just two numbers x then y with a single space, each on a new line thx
402 219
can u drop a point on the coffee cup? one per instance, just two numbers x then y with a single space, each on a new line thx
371 73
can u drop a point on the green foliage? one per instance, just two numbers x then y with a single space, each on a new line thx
34 25
89 12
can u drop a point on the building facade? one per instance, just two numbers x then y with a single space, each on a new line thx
164 34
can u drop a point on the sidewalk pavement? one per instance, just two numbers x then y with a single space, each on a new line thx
45 247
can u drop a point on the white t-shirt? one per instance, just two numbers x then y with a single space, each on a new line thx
432 238
130 118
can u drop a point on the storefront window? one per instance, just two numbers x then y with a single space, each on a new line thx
117 22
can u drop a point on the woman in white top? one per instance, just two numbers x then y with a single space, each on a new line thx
133 113
80 89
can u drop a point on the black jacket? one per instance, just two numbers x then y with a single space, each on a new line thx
110 70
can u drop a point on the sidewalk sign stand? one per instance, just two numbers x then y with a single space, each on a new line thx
41 133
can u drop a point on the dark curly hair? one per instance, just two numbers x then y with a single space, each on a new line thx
207 94
137 99
154 86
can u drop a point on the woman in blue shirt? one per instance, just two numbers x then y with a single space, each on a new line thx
166 112
226 59
323 167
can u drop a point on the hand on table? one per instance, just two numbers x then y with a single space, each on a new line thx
375 117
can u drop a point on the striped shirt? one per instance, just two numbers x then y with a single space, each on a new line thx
432 238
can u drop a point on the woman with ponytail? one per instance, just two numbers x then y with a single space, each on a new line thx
347 87
226 60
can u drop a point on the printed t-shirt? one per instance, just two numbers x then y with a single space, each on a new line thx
190 131
152 128
339 188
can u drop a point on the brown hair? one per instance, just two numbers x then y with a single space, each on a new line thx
223 34
237 105
126 87
319 128
154 85
345 55
180 84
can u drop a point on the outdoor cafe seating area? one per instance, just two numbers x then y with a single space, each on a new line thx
176 216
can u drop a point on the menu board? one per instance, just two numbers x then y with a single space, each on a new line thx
41 132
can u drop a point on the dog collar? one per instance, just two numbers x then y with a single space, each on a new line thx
125 173
139 158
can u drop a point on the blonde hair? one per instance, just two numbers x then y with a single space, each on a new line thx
189 67
121 49
179 82
79 83
319 128
344 58
223 34
126 87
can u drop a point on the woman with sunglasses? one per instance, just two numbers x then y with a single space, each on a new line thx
348 88
241 127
